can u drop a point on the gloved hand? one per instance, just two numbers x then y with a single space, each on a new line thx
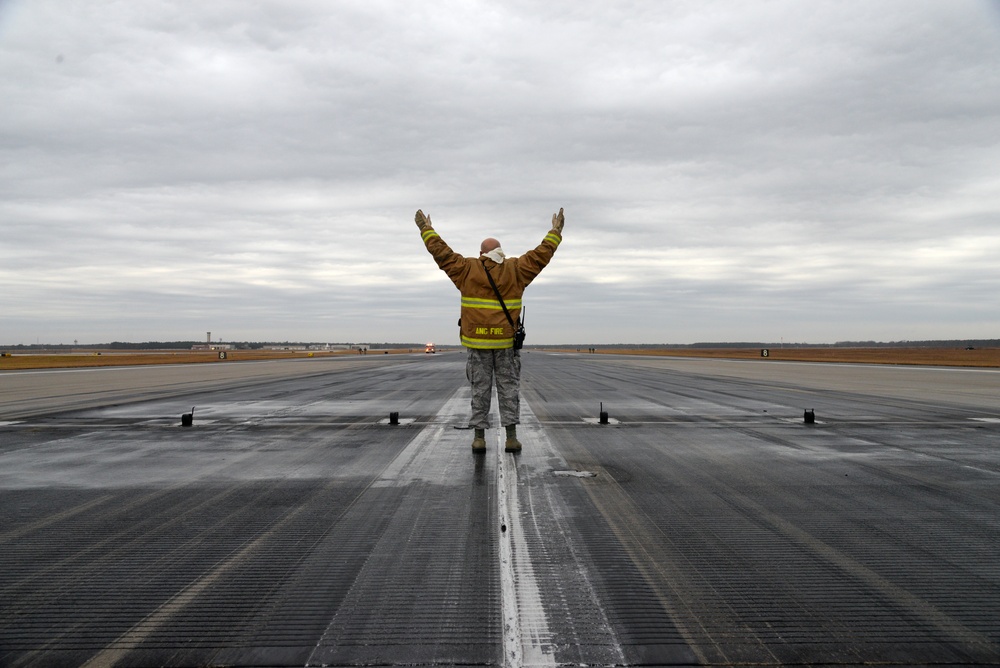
423 221
558 220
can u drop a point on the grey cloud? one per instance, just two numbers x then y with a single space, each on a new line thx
713 159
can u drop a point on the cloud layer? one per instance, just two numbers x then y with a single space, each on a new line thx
807 171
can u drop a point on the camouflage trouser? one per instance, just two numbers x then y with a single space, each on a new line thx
480 368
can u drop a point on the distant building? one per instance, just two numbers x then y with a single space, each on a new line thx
213 346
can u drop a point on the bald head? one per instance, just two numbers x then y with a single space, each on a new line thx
488 245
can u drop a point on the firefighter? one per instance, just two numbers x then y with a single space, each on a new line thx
486 331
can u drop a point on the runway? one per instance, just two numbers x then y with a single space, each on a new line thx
705 524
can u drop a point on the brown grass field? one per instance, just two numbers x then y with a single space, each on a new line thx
980 357
120 358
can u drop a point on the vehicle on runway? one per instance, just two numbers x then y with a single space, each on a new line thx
429 348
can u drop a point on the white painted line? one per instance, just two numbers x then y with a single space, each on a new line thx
989 419
526 635
512 652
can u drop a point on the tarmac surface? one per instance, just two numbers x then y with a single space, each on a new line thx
706 524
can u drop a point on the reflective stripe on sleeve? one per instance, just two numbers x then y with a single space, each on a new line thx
554 238
426 235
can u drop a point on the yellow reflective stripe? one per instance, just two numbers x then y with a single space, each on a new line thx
427 234
554 238
475 302
489 344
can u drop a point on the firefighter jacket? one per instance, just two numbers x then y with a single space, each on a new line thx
483 323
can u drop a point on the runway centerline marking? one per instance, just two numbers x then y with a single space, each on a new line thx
524 627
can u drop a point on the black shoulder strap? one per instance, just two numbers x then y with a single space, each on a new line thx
502 305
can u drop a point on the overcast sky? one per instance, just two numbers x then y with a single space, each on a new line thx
730 171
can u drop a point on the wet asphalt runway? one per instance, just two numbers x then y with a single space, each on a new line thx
706 524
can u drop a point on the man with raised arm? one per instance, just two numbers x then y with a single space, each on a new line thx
487 331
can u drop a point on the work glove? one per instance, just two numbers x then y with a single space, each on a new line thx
423 221
558 220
